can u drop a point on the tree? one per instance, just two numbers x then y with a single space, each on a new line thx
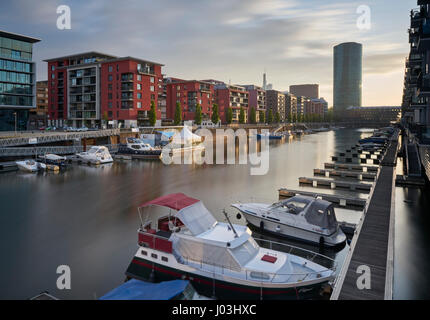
294 118
270 117
252 116
277 117
215 114
152 115
262 117
105 116
198 116
229 115
178 114
242 116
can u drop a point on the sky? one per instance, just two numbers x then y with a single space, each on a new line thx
230 40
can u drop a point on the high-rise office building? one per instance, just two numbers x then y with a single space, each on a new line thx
347 85
17 80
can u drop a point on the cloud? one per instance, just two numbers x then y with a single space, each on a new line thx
225 39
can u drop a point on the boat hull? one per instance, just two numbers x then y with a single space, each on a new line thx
141 269
295 233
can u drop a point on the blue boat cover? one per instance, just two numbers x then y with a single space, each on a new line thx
167 134
140 290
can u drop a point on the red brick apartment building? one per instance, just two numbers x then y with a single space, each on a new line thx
189 93
235 97
92 88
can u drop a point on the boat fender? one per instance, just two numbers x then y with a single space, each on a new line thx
278 228
239 216
262 225
228 244
322 241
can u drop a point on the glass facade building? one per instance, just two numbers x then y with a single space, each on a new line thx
347 86
17 80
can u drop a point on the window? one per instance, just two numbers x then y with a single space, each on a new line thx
144 253
110 77
139 77
53 68
139 95
117 67
153 255
164 259
110 86
152 79
110 68
139 86
110 104
110 96
152 88
139 105
53 76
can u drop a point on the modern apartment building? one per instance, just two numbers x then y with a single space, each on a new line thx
38 116
189 93
93 88
347 75
276 103
234 97
17 80
257 100
416 93
290 107
301 104
310 91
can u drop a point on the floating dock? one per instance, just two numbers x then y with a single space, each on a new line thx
338 200
345 174
351 167
336 184
372 247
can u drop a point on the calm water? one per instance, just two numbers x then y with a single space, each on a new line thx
86 217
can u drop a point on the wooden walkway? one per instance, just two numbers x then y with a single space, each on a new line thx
373 243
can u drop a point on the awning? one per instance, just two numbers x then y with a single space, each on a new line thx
175 201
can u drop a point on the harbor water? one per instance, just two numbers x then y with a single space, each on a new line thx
86 217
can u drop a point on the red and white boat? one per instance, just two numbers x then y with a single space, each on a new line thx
180 239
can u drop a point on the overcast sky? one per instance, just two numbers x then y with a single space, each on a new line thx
229 40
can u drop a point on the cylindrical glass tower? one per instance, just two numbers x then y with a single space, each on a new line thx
347 85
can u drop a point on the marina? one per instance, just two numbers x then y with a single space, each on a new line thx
124 183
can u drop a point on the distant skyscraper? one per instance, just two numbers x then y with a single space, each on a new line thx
264 81
347 85
311 91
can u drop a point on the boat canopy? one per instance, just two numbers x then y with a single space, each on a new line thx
190 211
140 290
317 212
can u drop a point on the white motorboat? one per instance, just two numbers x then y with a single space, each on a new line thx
30 165
138 147
302 218
96 155
180 239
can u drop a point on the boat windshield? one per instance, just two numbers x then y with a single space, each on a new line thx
246 252
93 150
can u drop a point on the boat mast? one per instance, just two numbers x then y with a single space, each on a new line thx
229 222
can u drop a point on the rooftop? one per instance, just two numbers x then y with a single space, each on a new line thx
17 36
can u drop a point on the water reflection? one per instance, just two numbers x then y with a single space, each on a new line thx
86 216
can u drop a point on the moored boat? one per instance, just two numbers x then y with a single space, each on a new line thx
301 218
30 165
138 147
180 239
96 155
